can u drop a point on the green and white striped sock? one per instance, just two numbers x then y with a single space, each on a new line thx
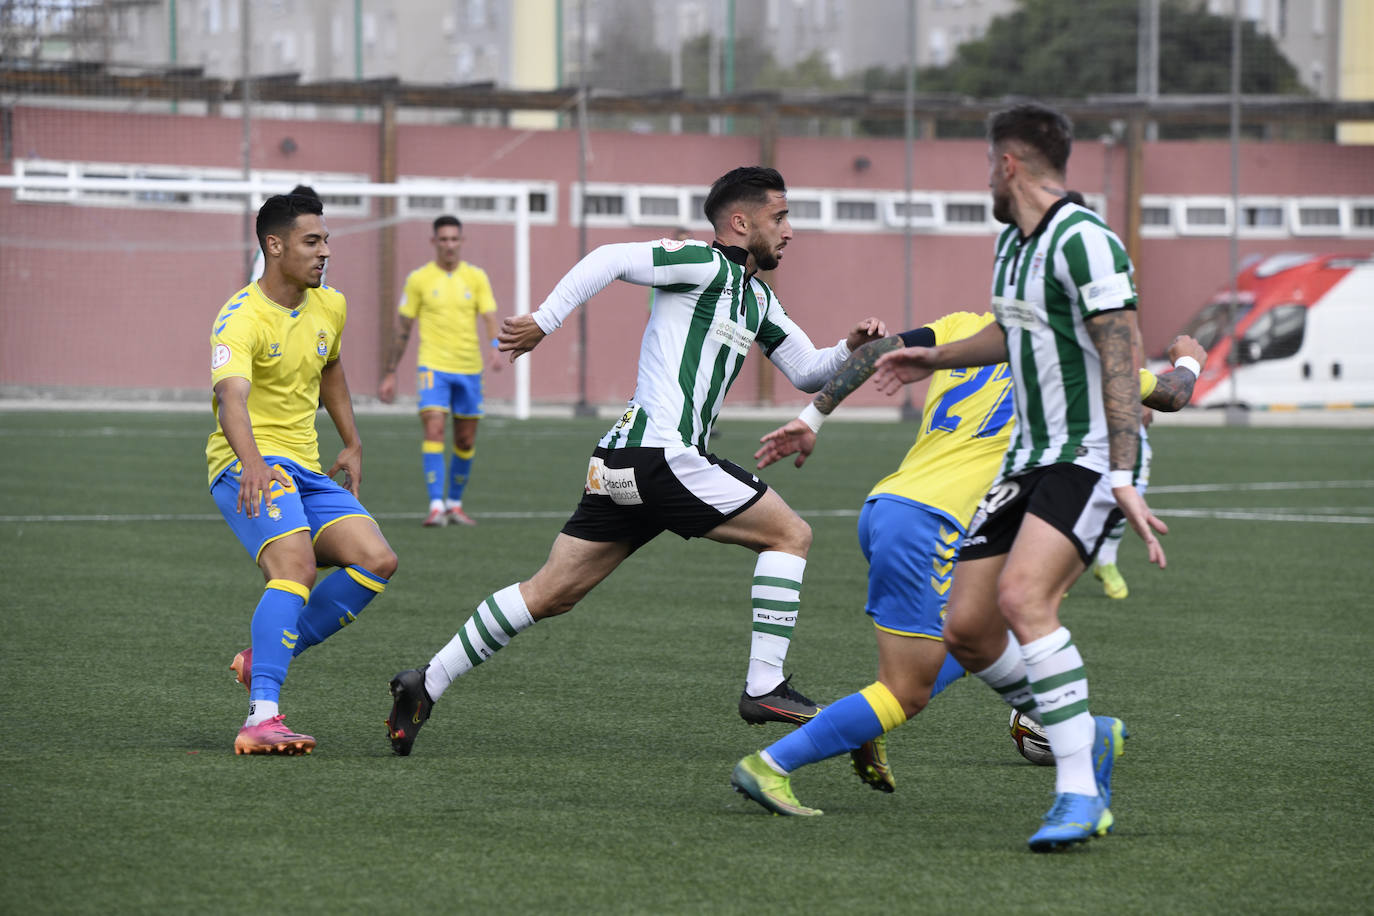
490 628
1060 684
776 598
1007 676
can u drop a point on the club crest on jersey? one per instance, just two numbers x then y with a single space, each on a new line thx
274 351
322 343
1037 265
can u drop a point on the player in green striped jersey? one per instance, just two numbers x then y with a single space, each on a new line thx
651 472
1065 303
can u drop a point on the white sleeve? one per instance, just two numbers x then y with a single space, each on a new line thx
806 367
629 261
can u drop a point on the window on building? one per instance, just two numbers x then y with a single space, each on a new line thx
966 213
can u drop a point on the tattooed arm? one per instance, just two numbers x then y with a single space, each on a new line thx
797 436
1174 389
1112 334
853 373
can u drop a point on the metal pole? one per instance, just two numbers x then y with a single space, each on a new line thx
675 66
358 50
713 66
1147 59
172 40
909 409
729 80
246 81
1234 415
583 408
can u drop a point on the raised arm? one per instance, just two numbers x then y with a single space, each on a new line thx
629 261
911 364
798 437
1174 389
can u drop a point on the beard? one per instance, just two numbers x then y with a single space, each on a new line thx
764 257
1001 208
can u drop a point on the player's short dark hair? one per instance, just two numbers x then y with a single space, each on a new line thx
447 220
1075 197
1040 128
304 190
747 184
278 214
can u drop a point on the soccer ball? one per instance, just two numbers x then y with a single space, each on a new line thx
1030 739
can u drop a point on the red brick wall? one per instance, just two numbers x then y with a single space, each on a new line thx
124 298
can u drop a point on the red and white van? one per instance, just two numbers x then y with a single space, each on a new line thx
1300 334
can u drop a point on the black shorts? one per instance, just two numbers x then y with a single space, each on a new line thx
634 494
1075 500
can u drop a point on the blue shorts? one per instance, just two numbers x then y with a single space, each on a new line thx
313 503
460 395
911 551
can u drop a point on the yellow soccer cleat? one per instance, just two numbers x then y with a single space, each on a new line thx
755 778
1110 577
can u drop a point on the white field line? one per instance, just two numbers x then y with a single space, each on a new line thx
1279 514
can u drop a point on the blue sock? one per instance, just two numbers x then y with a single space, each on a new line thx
950 672
432 459
459 465
839 727
275 636
335 603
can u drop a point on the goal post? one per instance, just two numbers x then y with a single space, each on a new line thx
64 213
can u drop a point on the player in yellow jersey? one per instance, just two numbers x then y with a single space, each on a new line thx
446 297
910 531
274 360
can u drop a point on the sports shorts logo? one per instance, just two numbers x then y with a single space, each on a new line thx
998 496
617 483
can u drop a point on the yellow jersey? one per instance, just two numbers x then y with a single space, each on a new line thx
281 352
446 306
966 425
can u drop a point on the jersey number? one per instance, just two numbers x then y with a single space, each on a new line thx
943 419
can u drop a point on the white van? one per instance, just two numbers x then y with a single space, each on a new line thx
1300 334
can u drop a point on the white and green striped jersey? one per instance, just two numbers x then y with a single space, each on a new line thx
1045 287
707 314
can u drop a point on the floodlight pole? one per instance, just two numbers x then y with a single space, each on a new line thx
583 407
246 81
909 410
1235 416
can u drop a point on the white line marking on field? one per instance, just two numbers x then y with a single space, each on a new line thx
1277 514
1241 487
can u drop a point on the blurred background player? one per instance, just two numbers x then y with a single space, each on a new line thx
651 472
446 297
274 360
909 530
259 262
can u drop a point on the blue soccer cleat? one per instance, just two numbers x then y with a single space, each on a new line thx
1109 743
1072 819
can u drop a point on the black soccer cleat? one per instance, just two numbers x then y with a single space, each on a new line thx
781 704
410 708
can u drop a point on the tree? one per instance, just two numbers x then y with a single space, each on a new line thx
1052 49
